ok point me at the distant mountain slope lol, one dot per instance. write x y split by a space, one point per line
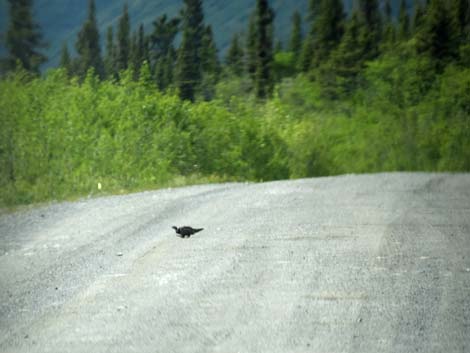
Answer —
60 20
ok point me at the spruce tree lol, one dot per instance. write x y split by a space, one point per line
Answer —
264 49
110 54
439 37
134 59
403 22
235 56
163 35
159 69
306 55
369 13
189 70
88 45
123 40
312 14
388 36
295 43
371 27
141 45
418 16
460 11
146 47
162 51
23 38
346 61
251 47
328 29
137 52
169 69
462 16
65 60
209 56
209 64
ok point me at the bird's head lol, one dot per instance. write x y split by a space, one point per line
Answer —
175 228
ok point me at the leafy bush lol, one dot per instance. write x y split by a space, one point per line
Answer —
60 138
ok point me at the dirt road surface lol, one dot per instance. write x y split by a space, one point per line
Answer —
355 263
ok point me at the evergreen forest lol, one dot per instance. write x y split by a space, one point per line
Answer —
136 108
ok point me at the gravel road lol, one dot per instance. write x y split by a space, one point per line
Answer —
355 263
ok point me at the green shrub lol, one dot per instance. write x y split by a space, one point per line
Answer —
60 138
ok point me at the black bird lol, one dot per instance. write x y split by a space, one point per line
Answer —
186 232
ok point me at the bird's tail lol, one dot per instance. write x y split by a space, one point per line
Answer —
198 230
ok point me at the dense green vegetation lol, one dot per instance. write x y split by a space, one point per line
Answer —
378 96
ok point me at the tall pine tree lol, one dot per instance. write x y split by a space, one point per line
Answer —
403 22
235 56
346 61
251 47
123 40
264 49
88 45
388 37
371 27
209 56
189 66
134 55
328 29
295 43
461 13
163 54
163 35
418 17
65 60
23 38
142 45
110 58
306 55
439 35
138 50
210 65
460 10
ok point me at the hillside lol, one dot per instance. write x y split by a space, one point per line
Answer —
60 20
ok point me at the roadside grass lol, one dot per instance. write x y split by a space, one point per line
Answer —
13 201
